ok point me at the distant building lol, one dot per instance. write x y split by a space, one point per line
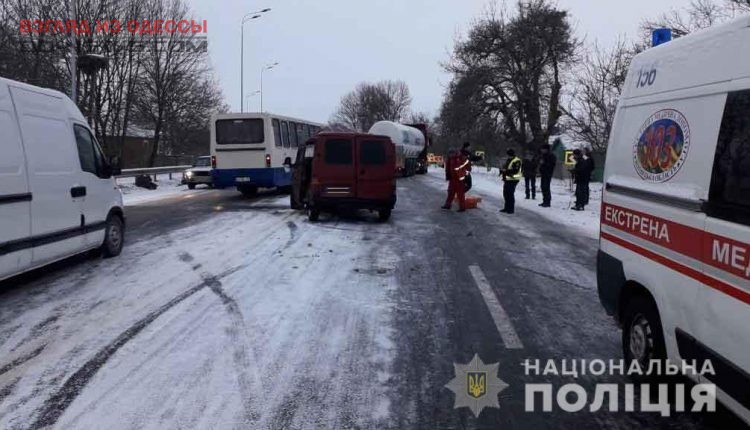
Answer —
134 149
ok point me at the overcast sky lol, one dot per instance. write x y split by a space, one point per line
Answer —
325 47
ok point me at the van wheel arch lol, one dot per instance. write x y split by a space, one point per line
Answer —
118 212
629 291
641 323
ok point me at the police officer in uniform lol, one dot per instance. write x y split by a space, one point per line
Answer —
547 162
582 176
512 174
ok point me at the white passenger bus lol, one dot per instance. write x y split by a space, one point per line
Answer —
249 150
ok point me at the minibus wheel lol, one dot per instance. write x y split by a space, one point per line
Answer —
114 237
384 215
293 202
313 214
642 335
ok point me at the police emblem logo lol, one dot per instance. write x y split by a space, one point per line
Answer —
662 146
476 385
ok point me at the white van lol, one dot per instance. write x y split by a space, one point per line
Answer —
57 193
674 259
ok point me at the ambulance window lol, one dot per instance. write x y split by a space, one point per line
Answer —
729 196
372 153
338 151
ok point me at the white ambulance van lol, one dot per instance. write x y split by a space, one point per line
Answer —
674 258
58 196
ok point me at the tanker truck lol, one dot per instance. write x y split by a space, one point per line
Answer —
410 142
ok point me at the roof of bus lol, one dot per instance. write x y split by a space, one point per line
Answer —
702 58
250 115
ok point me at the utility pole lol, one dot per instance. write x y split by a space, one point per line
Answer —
73 58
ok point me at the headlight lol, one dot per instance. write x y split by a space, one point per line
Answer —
189 174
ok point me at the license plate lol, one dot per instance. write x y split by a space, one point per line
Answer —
243 180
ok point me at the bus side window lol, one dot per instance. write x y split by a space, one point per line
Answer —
293 134
301 133
285 134
276 132
729 197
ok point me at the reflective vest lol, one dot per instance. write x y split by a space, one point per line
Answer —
462 168
515 162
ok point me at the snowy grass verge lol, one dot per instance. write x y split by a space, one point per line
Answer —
563 199
132 195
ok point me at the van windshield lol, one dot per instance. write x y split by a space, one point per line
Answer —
239 131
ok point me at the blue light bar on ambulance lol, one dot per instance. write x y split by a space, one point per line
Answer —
660 36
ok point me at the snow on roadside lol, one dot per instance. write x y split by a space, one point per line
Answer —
587 221
132 195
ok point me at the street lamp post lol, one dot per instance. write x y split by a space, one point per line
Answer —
250 96
266 67
246 18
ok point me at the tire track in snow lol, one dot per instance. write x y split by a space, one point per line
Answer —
55 406
241 346
21 360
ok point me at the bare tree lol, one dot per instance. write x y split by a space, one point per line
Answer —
155 84
699 14
512 69
597 88
370 103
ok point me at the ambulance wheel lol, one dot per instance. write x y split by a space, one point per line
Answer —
642 334
114 237
384 215
313 214
191 186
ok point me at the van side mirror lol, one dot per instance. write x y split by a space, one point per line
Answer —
115 165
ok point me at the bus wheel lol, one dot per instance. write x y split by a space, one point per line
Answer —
642 334
249 191
313 214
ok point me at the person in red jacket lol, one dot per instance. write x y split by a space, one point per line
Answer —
455 173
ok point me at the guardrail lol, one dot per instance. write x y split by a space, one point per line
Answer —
152 171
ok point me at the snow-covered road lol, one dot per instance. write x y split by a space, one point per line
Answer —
252 319
224 312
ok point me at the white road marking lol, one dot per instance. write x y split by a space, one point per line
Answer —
502 322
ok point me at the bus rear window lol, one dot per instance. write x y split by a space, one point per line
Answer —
239 131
